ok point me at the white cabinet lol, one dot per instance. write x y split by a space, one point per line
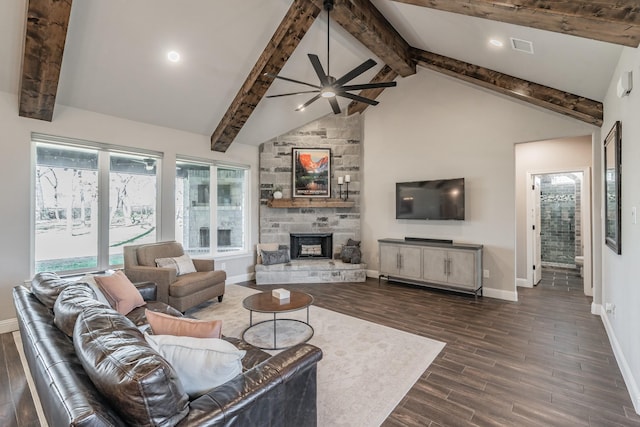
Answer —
401 261
450 267
428 263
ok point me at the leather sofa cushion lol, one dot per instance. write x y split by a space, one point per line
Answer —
147 254
191 283
72 301
47 286
141 385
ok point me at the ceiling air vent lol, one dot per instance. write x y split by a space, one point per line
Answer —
522 45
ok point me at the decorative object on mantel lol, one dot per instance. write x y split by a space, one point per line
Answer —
346 180
277 192
311 171
310 203
330 87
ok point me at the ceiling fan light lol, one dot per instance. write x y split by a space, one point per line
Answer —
328 93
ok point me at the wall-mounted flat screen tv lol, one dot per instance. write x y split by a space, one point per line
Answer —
435 200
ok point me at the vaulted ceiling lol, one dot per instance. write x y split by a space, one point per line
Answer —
110 59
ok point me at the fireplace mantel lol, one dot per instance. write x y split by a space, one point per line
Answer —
310 203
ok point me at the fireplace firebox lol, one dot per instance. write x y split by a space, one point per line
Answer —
311 245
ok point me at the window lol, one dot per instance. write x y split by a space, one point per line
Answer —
90 200
132 203
197 207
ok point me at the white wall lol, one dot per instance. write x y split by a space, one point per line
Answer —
621 273
564 154
16 178
432 126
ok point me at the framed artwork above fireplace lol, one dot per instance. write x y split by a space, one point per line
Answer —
311 172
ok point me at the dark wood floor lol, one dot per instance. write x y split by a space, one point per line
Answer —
542 361
16 402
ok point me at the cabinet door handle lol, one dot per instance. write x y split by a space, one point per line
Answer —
445 267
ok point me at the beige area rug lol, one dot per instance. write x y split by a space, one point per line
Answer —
366 368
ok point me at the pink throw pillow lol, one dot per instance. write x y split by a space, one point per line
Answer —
165 324
120 292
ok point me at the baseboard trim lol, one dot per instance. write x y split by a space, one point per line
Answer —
241 278
500 294
523 283
629 380
9 325
372 273
596 309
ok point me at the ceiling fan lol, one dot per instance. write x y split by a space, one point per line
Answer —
329 86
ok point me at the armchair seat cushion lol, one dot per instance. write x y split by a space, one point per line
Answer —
191 283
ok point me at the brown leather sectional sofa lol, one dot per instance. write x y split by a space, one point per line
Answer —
277 390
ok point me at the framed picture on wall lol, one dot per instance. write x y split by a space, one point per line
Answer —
311 172
612 187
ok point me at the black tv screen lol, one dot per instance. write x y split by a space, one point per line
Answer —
436 199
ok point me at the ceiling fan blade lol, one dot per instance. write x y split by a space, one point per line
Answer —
291 80
317 66
334 105
357 98
306 104
292 93
369 86
355 72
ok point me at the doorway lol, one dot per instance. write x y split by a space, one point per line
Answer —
559 224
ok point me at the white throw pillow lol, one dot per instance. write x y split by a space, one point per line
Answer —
182 264
201 363
91 281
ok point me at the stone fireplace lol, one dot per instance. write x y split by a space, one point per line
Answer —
311 245
314 231
342 135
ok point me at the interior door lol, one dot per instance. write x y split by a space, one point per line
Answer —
537 245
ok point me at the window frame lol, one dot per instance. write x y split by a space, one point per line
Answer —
214 165
104 151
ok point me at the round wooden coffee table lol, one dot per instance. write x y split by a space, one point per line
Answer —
264 302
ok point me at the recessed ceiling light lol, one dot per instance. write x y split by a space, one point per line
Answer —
496 42
173 56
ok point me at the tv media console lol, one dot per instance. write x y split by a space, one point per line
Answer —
432 263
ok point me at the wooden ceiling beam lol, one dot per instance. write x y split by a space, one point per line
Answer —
386 74
371 28
46 33
284 41
615 22
571 105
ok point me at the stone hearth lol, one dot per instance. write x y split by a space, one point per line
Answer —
310 271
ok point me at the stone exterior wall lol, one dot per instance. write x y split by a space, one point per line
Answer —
343 135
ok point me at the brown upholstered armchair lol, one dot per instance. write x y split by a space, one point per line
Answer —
181 292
